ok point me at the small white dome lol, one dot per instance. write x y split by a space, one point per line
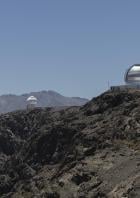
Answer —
32 98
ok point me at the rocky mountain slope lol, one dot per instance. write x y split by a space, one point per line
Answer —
80 152
11 102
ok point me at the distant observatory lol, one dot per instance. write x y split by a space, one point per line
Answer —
31 102
131 78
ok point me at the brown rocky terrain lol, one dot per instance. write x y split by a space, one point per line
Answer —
91 151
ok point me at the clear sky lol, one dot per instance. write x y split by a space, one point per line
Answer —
71 46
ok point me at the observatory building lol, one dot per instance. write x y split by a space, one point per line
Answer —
31 102
131 78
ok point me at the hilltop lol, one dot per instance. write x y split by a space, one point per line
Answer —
91 151
10 102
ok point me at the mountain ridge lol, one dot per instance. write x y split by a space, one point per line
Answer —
12 102
91 151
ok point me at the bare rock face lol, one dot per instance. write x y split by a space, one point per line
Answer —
91 151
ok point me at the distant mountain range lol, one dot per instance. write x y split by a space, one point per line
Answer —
12 102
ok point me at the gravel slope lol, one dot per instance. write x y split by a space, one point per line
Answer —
78 152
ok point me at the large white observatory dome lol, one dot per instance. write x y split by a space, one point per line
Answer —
31 102
133 75
32 98
131 78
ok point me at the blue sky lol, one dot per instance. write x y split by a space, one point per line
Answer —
71 46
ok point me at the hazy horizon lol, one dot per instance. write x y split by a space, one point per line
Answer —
72 47
38 91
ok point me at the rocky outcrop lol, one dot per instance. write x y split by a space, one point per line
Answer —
79 152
